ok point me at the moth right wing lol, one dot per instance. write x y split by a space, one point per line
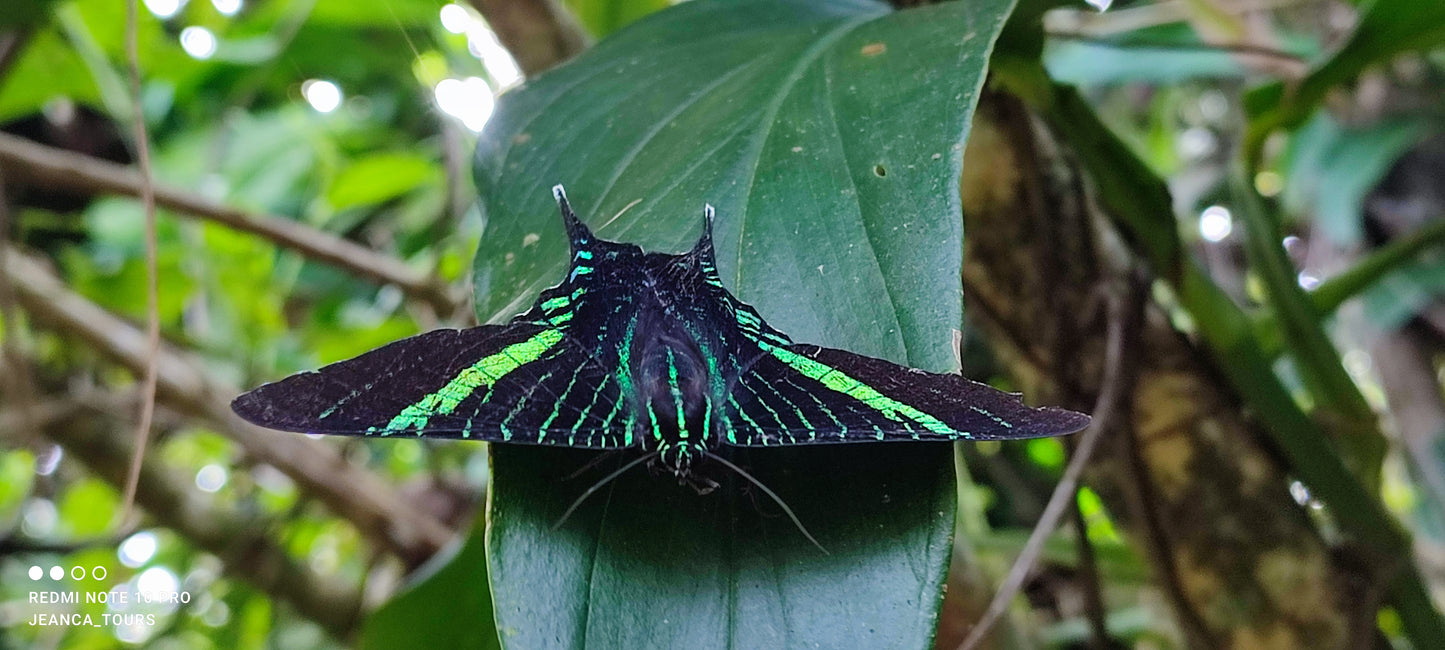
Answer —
519 383
804 394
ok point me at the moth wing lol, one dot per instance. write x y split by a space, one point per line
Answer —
805 394
522 383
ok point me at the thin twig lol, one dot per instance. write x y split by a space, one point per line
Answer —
1114 397
53 168
153 316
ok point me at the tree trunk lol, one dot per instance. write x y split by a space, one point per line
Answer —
1187 476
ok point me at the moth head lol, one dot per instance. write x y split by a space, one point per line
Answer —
577 232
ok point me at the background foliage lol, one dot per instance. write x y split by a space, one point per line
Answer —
1311 280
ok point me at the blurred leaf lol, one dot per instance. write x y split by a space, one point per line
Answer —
1332 168
453 600
1163 54
602 17
1397 297
24 14
87 507
271 159
380 177
330 348
47 69
1386 28
389 15
828 135
1047 453
17 476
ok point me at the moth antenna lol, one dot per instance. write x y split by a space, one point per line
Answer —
703 250
577 231
789 511
598 485
601 458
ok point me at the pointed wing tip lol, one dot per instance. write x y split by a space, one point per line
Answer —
249 406
1054 421
559 193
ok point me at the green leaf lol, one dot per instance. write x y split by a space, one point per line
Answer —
1163 54
829 137
1386 28
379 178
1407 291
88 507
383 14
454 599
1333 168
48 69
24 14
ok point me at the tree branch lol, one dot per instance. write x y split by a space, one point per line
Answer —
351 492
28 162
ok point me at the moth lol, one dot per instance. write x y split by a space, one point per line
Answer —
640 350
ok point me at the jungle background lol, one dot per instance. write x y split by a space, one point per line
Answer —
1214 224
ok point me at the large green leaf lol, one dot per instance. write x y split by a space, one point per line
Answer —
829 137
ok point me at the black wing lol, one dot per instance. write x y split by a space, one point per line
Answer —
804 394
519 383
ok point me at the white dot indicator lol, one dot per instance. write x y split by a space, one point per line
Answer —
36 573
56 573
227 7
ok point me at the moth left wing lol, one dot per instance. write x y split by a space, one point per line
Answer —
805 394
522 383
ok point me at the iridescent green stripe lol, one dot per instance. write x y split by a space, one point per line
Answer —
482 373
557 409
624 361
837 381
676 393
